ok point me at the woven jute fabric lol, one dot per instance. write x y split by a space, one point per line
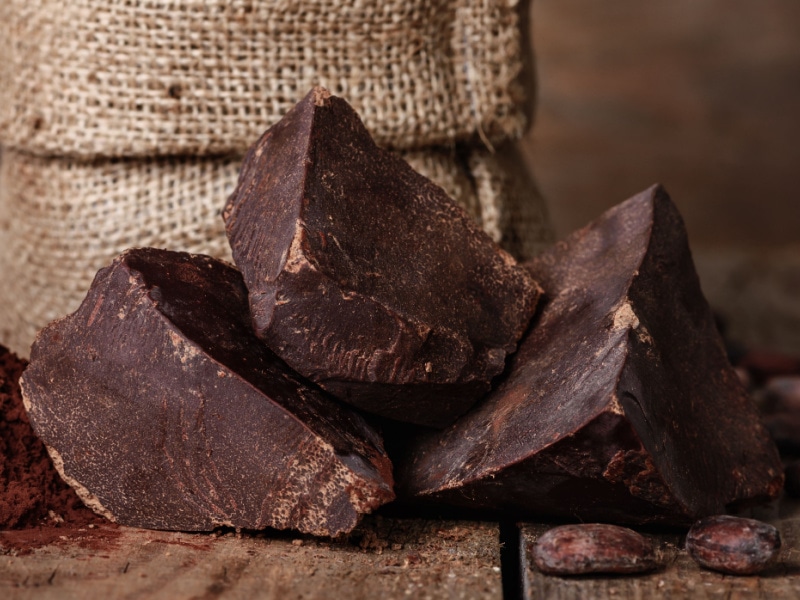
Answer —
513 211
143 78
61 220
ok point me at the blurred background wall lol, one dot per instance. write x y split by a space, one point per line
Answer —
702 96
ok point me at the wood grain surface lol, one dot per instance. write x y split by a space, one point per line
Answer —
702 96
383 558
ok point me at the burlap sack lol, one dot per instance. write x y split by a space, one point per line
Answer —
128 78
513 211
61 220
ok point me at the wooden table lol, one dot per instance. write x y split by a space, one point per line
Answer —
384 558
681 577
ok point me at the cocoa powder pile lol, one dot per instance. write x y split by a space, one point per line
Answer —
31 491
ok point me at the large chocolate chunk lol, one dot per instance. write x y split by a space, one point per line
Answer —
364 276
163 410
620 404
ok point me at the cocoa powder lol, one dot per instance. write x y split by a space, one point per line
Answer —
32 494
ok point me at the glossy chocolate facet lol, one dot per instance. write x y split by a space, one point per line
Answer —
364 276
620 404
163 410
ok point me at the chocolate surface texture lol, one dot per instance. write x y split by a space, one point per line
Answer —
364 276
163 410
620 404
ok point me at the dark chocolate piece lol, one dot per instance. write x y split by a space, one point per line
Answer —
733 545
620 404
364 276
163 410
593 548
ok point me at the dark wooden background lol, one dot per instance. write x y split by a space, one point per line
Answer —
702 96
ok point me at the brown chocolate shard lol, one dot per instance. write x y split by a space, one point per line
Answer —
164 411
364 276
620 404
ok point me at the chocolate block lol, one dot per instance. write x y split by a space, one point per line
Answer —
163 410
620 404
364 276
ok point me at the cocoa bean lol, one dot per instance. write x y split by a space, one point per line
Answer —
593 548
733 544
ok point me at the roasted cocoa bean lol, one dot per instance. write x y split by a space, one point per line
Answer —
733 544
593 548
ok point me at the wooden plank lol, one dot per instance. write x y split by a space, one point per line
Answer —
383 558
680 578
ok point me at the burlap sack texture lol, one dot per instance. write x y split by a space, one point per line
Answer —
122 120
128 78
61 220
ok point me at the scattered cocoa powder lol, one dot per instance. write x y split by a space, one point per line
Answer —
19 542
34 500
